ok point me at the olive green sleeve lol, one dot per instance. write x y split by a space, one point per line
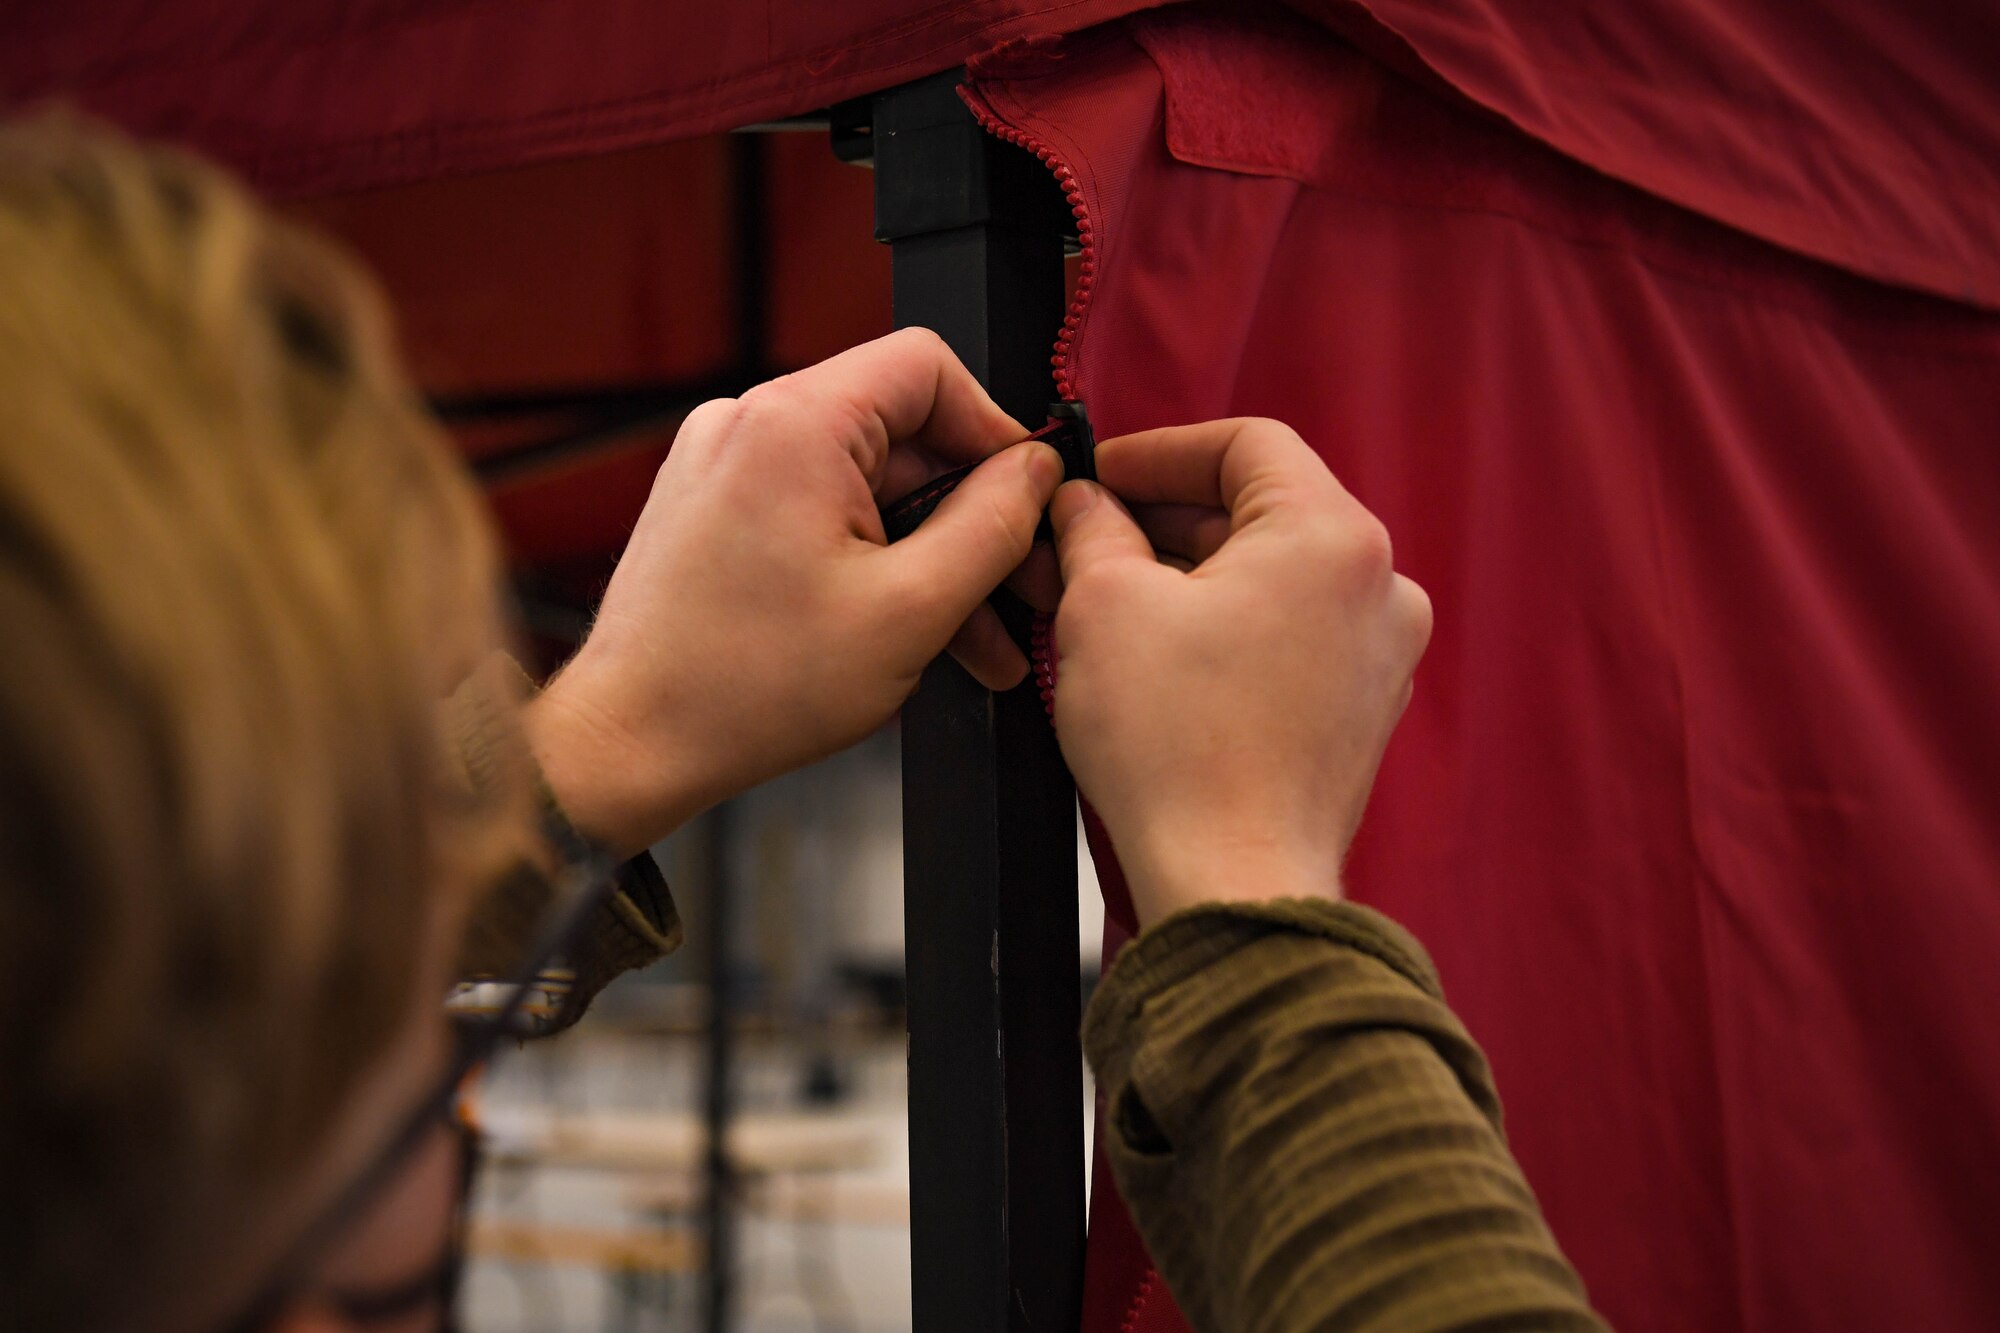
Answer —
1307 1137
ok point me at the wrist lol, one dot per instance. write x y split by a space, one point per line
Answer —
1174 870
605 787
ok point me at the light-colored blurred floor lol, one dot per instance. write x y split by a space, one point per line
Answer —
818 884
794 1275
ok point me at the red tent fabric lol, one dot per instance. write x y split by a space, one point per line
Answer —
620 268
1697 801
315 96
1864 135
1664 338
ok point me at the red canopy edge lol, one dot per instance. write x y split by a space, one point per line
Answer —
316 98
1857 134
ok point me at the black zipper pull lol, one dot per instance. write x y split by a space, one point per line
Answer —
1068 432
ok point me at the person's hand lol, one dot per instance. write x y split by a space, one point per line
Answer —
1225 714
757 621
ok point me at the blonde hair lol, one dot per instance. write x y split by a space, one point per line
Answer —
239 570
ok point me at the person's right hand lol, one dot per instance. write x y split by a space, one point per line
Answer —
758 619
1226 719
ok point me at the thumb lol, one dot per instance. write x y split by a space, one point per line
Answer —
1092 527
982 531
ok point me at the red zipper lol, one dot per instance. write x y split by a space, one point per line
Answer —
1130 1324
1044 658
1043 654
1086 276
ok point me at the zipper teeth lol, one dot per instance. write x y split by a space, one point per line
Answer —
1086 276
1043 654
1130 1324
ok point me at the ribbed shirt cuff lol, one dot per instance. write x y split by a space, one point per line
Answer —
1184 944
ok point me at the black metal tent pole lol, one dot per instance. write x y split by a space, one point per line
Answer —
977 228
719 1195
718 1287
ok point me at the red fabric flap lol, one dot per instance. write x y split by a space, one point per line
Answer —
1860 133
1316 114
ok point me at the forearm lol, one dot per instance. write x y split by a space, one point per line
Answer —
1306 1135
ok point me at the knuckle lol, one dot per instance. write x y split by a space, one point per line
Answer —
1281 441
1350 555
1374 553
764 399
922 340
701 435
1270 428
711 416
708 424
1417 614
1358 552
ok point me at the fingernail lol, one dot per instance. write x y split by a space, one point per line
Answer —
1073 499
1045 465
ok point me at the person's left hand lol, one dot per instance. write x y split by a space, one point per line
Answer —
757 620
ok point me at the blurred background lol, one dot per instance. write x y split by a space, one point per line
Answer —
590 1210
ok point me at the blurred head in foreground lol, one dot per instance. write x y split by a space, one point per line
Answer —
239 570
